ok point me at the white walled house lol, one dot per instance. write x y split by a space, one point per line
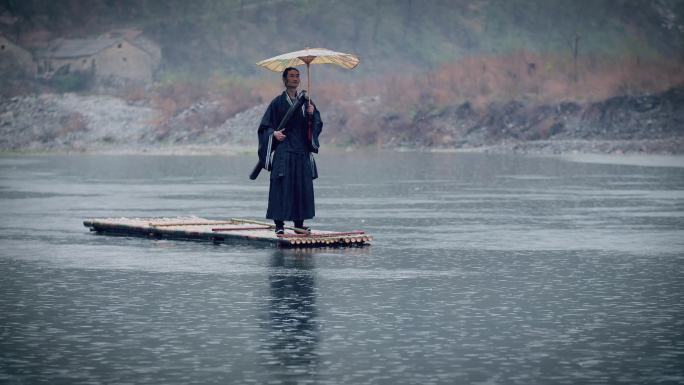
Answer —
15 59
104 57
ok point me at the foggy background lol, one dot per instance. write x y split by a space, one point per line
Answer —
431 73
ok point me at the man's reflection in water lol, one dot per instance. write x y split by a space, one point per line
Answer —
292 326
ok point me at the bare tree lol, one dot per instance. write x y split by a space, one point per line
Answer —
574 47
408 16
377 19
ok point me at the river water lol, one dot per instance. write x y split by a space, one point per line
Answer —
484 269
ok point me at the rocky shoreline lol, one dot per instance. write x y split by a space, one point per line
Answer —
71 123
638 124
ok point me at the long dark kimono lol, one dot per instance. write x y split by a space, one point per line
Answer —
292 166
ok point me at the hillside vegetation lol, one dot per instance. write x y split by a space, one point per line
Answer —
228 36
418 58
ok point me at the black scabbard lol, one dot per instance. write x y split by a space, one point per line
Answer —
256 171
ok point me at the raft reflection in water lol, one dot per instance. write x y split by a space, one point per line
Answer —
291 317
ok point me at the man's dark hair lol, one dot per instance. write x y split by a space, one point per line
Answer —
288 69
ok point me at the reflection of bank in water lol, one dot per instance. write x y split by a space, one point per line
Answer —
290 316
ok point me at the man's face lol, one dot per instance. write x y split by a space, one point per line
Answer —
292 79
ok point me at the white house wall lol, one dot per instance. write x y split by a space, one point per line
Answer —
124 60
13 55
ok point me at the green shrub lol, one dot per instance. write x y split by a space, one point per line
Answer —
71 82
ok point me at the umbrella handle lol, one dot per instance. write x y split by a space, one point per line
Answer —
309 117
308 85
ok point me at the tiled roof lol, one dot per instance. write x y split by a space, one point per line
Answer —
73 48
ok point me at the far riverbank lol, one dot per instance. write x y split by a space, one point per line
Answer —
75 123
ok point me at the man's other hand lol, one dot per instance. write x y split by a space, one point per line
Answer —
310 109
279 136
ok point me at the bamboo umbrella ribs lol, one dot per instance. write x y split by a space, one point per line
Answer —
309 56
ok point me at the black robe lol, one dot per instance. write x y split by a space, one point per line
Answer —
291 162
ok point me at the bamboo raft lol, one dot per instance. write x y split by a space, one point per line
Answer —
225 231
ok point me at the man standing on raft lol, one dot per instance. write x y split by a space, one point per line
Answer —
289 155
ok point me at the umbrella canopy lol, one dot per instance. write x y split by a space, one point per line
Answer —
309 56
